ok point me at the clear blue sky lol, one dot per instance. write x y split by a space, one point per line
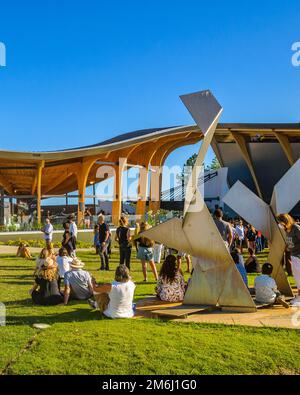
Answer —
79 72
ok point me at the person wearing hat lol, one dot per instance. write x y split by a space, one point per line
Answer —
266 288
78 282
45 290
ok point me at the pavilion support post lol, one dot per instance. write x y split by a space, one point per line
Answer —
142 192
1 206
82 177
286 147
39 190
155 189
118 185
241 142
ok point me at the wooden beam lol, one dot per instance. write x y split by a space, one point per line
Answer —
216 150
6 185
241 142
286 147
58 180
39 189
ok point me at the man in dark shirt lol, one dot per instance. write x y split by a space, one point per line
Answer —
104 235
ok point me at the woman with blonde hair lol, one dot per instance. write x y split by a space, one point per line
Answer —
41 260
45 290
23 251
124 239
145 251
292 232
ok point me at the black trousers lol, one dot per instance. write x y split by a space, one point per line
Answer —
125 254
104 258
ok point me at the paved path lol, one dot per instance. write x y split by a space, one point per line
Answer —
277 316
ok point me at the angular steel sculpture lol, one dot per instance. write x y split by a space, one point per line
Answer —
286 195
215 281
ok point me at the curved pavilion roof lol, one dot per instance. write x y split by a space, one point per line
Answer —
18 170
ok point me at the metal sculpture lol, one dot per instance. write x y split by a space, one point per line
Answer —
215 280
286 195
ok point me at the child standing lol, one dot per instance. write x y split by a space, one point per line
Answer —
63 261
96 239
266 288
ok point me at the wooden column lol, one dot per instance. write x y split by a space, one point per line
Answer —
241 142
142 192
39 190
286 147
82 177
118 185
155 190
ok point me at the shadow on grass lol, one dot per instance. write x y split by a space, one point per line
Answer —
16 268
77 315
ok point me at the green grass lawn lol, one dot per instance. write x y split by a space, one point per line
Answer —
79 341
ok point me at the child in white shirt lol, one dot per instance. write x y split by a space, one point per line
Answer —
266 288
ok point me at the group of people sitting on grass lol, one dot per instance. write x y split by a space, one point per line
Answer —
115 300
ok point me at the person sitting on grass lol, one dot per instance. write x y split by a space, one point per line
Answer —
240 267
40 261
115 300
170 285
23 251
63 261
252 264
237 250
78 282
45 290
266 288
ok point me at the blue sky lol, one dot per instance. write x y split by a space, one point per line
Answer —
79 72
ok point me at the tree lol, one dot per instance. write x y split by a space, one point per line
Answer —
187 167
214 165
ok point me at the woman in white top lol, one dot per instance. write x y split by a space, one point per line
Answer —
115 299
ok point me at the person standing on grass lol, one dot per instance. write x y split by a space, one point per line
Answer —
170 284
68 241
115 300
45 290
259 246
251 237
104 235
73 231
78 282
48 232
223 227
292 232
240 235
124 239
63 261
145 251
96 239
180 256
